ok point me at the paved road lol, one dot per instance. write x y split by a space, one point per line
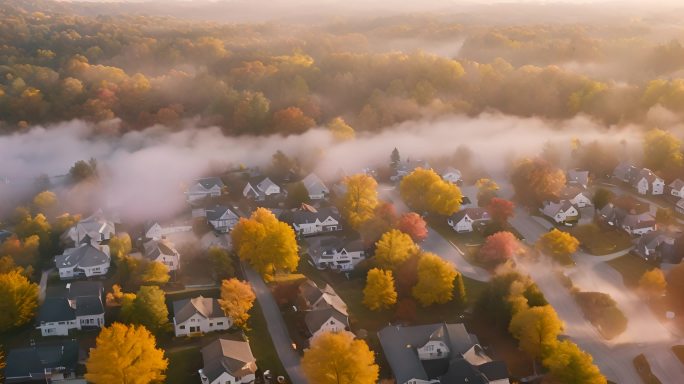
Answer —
276 327
437 244
644 334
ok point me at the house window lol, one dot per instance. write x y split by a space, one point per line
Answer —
61 323
219 323
211 324
182 327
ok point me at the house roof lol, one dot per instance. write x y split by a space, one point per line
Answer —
266 184
677 184
314 185
156 248
312 294
229 355
210 182
320 245
570 192
89 306
315 319
451 170
625 171
462 372
474 214
33 361
55 309
84 256
647 174
205 306
85 288
400 343
578 176
644 220
216 212
552 208
306 216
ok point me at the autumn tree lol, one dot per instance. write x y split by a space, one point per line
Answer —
384 219
393 248
559 245
147 308
665 216
135 272
297 194
237 298
8 265
499 248
266 243
675 285
291 121
23 252
45 201
336 358
83 170
500 210
37 225
568 364
652 283
424 190
125 354
535 180
413 225
120 246
486 191
379 292
435 280
19 300
662 150
2 362
602 197
537 330
340 130
221 261
360 199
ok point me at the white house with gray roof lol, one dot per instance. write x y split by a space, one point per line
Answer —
262 190
336 253
324 310
308 220
164 252
464 220
203 188
648 182
228 360
563 212
676 188
439 354
451 175
578 177
82 261
94 229
199 315
315 187
223 219
82 308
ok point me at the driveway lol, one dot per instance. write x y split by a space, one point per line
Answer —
276 326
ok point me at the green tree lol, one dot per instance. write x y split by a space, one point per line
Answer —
221 261
148 308
395 158
297 194
83 170
602 197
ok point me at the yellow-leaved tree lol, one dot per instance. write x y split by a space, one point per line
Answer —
537 330
424 190
120 246
19 300
568 364
379 292
266 243
652 283
340 130
147 307
360 200
435 280
237 298
125 354
559 245
393 248
336 358
45 201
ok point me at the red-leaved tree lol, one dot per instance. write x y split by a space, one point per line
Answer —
413 225
500 209
499 248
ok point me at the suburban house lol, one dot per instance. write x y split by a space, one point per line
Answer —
315 187
679 207
577 196
43 362
405 167
308 220
625 172
324 310
335 253
658 246
206 187
676 188
262 190
153 230
83 261
563 212
199 315
223 219
164 252
465 219
228 360
647 181
631 220
94 229
452 175
578 177
83 308
439 353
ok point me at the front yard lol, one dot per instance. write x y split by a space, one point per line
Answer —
599 241
631 267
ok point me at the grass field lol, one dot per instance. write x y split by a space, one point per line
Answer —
631 267
599 241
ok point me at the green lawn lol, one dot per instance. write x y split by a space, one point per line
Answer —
631 267
600 241
183 365
262 345
602 311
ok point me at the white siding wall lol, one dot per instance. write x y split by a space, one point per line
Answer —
203 324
